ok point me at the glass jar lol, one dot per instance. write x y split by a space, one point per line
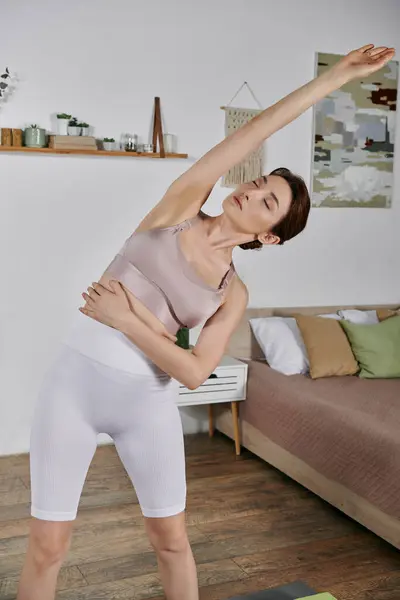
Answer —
129 142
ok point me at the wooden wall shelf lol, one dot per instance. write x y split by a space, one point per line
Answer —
89 152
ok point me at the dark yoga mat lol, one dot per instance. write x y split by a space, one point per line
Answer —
286 592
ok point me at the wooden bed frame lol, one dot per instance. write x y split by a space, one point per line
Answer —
244 346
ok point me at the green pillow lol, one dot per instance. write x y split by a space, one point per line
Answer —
376 347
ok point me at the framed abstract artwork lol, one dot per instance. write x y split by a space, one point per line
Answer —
353 141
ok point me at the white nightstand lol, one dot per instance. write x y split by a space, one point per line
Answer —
226 384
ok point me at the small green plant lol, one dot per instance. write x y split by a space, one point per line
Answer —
84 125
73 122
108 140
34 126
63 116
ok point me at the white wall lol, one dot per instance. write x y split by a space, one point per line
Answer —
63 218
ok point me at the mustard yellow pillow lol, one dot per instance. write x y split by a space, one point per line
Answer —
328 349
386 313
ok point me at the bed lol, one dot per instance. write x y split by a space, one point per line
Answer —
339 437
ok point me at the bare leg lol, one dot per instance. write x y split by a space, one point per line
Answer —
175 559
49 542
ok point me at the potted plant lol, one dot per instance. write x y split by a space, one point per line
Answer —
35 137
108 144
84 128
73 127
62 123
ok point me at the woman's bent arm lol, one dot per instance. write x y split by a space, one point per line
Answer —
191 368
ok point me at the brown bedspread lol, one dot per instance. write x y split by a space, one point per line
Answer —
346 428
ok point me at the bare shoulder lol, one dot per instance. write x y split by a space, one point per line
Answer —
218 329
237 294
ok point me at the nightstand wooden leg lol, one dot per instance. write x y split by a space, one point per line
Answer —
210 420
235 417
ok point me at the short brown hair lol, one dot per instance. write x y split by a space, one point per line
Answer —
295 220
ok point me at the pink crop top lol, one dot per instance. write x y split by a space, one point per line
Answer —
153 267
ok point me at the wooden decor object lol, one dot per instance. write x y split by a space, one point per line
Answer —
6 137
17 137
157 128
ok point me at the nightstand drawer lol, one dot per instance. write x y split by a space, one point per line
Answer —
224 385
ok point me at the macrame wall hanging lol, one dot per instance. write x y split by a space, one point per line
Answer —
253 165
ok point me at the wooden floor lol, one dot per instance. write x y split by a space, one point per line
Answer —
251 528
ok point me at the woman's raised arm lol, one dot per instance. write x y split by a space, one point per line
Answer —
189 192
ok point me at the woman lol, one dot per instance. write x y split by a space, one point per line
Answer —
117 371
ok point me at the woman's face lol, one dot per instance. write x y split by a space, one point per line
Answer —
257 207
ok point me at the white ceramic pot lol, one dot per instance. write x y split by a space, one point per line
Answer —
62 126
74 130
109 146
170 144
85 131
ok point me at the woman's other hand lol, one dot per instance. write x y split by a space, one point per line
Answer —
113 308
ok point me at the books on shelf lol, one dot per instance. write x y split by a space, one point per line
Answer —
72 142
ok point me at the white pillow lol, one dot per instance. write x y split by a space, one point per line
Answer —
281 341
360 317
